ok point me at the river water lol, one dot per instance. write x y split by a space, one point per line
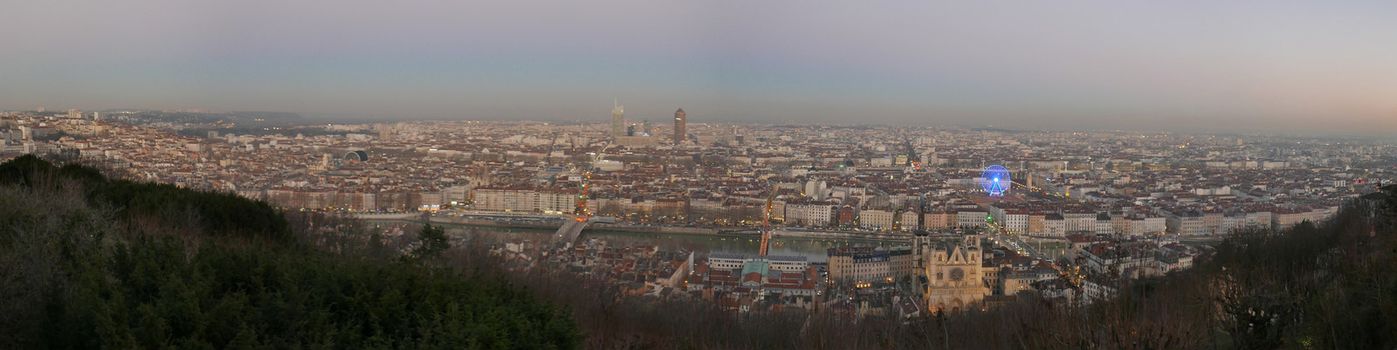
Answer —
814 249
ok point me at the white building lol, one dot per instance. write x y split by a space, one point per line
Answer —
966 219
503 199
813 214
1054 225
1147 226
1079 222
881 220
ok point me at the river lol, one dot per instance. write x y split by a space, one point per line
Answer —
814 249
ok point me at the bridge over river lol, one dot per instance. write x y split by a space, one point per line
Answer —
572 229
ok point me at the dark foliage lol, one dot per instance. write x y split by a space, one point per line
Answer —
79 267
75 273
1326 285
431 243
217 213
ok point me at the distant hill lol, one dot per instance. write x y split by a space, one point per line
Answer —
89 262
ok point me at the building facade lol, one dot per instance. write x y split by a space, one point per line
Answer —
955 275
618 120
852 265
680 126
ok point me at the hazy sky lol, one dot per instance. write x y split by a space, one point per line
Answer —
1325 66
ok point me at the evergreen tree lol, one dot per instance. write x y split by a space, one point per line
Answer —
78 273
432 241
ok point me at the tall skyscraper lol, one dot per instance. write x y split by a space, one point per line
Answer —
680 119
618 119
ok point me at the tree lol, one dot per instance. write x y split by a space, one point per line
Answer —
432 241
1391 192
79 274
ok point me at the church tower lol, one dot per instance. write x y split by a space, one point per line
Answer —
955 275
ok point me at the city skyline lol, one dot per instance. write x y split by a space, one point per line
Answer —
1288 67
769 175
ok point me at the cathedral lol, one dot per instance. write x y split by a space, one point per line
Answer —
955 274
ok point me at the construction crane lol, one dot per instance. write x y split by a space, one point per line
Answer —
766 220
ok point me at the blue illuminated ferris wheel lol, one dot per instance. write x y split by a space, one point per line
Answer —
996 181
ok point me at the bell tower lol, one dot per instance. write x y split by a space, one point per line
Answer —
955 274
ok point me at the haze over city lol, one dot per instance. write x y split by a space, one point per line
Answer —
1289 67
631 174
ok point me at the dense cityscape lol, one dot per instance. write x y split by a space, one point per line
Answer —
918 229
728 175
